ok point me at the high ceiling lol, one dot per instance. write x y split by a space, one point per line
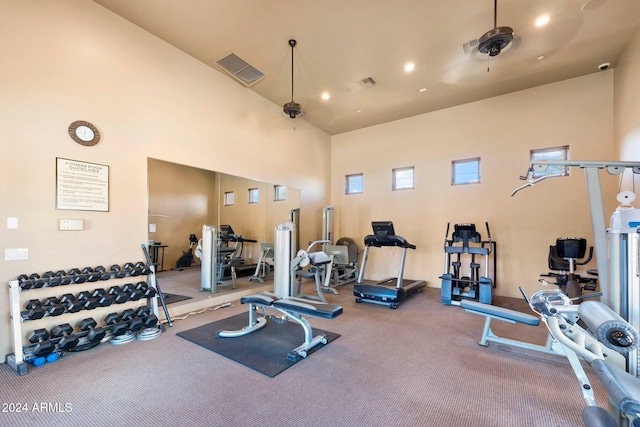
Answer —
342 42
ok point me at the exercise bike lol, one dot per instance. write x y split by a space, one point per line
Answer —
563 257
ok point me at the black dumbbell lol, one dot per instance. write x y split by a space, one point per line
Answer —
117 326
103 273
40 337
71 304
38 281
134 323
104 299
62 276
120 297
77 276
143 268
88 301
95 334
118 272
133 291
68 339
53 307
34 310
149 320
52 279
147 291
25 282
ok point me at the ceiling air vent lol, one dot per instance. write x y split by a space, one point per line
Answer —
237 67
368 82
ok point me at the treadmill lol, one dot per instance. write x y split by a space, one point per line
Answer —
391 291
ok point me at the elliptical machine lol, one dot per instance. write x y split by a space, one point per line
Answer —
476 286
186 259
563 257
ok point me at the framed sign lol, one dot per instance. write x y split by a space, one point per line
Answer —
81 186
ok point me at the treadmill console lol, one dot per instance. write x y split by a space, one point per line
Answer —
383 230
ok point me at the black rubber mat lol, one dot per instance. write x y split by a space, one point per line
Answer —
264 350
171 298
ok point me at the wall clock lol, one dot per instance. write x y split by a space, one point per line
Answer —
84 133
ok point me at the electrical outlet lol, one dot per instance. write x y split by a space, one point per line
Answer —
71 225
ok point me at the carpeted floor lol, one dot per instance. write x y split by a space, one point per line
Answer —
419 365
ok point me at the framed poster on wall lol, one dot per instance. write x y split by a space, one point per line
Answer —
81 186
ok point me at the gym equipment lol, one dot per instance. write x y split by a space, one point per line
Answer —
281 300
52 307
320 270
264 265
563 257
91 336
216 260
475 286
615 249
157 291
43 346
186 259
68 339
587 331
34 310
70 303
345 263
391 291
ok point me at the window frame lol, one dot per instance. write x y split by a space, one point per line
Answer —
394 183
229 198
551 170
279 193
454 177
347 181
250 193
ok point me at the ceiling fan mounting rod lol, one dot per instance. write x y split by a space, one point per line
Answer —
495 14
292 43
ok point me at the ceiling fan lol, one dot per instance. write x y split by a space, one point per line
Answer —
292 109
493 41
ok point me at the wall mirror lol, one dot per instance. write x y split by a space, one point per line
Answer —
183 198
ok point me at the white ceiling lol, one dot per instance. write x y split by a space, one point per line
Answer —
341 42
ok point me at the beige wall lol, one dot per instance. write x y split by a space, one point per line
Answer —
501 131
73 60
627 102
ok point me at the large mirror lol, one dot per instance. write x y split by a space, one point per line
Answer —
183 198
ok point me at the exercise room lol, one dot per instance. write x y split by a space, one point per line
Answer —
240 213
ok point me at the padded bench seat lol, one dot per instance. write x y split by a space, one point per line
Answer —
260 299
308 308
500 312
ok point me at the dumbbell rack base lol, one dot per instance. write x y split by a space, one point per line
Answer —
16 360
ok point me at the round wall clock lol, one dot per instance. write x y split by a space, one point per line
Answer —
84 133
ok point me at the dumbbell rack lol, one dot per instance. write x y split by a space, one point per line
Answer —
17 360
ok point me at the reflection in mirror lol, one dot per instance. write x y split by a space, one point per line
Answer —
183 198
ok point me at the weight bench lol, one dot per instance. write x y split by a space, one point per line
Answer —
505 315
292 308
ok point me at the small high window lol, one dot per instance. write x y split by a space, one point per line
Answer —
279 192
465 171
253 195
403 179
354 184
228 198
553 153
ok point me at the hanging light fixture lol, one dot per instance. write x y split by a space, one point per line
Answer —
292 109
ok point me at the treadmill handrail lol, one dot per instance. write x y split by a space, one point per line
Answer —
394 240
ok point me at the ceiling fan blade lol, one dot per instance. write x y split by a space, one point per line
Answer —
470 46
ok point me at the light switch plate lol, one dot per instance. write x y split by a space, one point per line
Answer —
71 225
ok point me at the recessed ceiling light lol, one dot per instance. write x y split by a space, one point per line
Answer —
325 95
540 58
543 20
424 89
409 67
